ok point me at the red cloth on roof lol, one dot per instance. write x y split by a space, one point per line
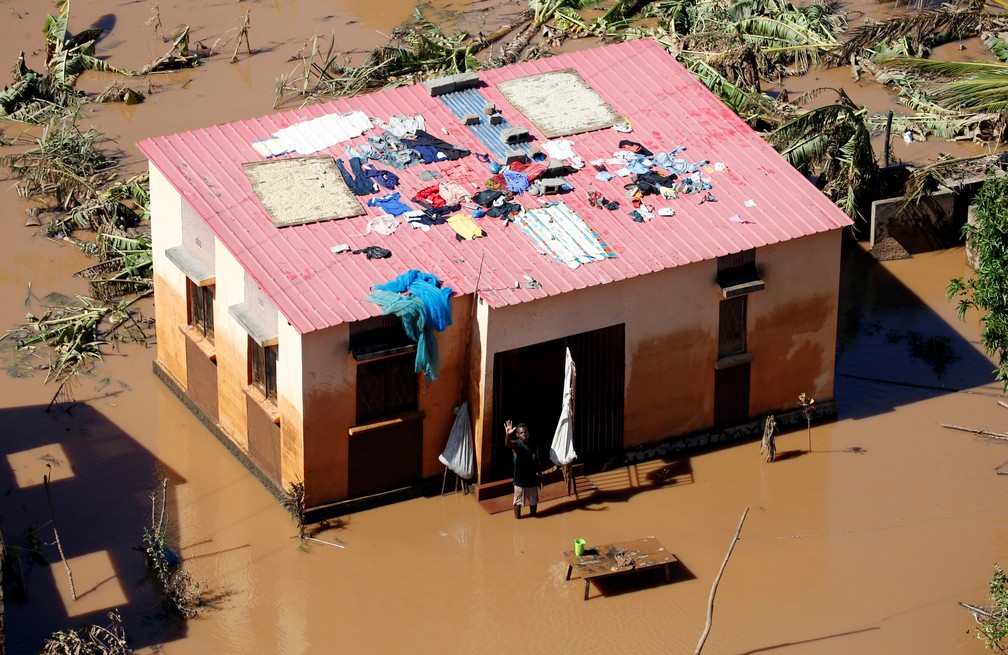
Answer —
430 195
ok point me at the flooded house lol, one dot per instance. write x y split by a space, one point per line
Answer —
334 281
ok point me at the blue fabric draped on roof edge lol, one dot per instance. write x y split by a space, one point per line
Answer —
427 307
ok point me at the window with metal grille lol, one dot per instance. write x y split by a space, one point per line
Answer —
201 309
385 387
732 327
263 363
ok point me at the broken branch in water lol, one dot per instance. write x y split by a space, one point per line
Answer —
178 56
994 435
59 546
327 543
710 602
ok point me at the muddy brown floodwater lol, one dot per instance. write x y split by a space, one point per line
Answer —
865 544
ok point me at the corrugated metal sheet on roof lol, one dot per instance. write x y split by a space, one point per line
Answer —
314 288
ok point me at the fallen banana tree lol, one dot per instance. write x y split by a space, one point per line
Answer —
63 166
70 333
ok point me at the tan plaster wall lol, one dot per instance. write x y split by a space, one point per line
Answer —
671 320
230 343
328 379
438 399
793 323
231 346
170 309
290 403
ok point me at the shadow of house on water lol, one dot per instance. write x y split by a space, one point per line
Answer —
894 349
101 480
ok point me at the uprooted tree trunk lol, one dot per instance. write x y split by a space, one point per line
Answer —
178 56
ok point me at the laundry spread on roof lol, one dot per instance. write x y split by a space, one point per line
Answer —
308 137
557 229
268 148
464 226
632 172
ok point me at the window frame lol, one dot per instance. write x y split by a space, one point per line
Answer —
201 308
262 368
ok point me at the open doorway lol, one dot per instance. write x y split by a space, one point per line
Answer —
528 388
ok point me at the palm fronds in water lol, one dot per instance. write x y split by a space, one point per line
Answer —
75 333
71 332
64 165
68 56
920 31
420 51
35 98
122 206
788 38
126 267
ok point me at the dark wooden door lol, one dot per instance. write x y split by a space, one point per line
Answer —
389 456
731 395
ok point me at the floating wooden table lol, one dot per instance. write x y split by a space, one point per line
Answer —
619 558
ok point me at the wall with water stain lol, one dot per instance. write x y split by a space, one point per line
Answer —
792 325
671 320
231 343
329 381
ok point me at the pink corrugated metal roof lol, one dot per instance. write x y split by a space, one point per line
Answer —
315 289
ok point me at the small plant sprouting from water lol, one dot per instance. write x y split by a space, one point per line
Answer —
294 502
808 409
90 640
175 587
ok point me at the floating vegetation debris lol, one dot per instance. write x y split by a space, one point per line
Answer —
177 56
75 331
63 166
35 98
90 640
834 141
122 206
414 53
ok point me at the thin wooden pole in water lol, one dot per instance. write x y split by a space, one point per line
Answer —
888 137
59 546
710 602
986 433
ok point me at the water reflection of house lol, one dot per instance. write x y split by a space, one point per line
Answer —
720 314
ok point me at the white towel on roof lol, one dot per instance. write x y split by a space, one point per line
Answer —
320 133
